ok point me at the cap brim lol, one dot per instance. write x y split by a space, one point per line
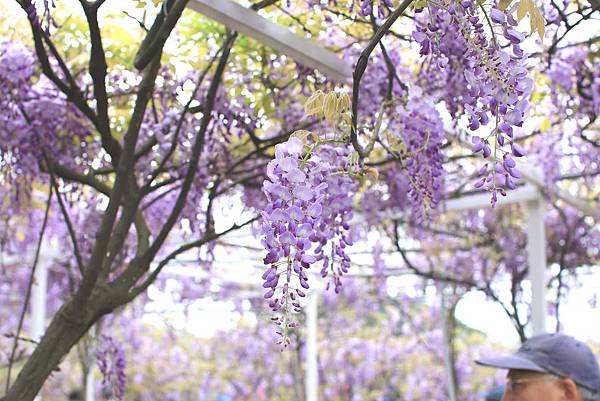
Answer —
511 362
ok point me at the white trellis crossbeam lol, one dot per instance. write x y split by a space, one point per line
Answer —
249 22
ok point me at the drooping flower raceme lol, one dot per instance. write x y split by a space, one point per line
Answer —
486 82
422 133
305 222
110 358
363 7
36 119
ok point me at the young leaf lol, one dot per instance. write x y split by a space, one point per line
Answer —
537 22
503 4
522 9
330 106
536 19
314 104
302 134
545 125
343 103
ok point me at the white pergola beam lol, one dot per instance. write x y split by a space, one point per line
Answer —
532 176
483 200
529 174
250 23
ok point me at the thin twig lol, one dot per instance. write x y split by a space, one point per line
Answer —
195 244
29 287
63 210
159 32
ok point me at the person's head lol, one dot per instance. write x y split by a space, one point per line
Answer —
550 367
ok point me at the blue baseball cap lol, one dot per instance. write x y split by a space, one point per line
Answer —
556 354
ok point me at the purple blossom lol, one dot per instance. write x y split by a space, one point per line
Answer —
484 82
497 16
110 359
514 36
309 204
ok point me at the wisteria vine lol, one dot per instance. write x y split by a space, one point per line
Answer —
488 80
309 187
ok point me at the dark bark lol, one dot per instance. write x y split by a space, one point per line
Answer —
69 324
359 70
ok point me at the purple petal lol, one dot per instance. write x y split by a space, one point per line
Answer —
514 36
295 175
517 150
497 16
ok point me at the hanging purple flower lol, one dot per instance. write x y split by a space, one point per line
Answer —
305 221
110 358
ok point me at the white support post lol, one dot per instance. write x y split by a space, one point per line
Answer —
536 255
90 394
446 345
90 364
312 372
38 300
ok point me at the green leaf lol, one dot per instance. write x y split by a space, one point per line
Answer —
302 134
538 24
536 19
503 4
314 104
330 106
522 9
353 158
418 4
343 103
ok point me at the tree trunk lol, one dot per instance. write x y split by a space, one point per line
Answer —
62 334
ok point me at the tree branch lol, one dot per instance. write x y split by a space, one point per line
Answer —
71 175
186 108
197 148
432 275
29 287
124 180
65 214
159 32
97 68
208 237
141 263
361 66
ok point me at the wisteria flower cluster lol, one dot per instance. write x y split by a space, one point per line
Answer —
306 222
36 118
418 142
575 79
110 358
365 7
495 80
